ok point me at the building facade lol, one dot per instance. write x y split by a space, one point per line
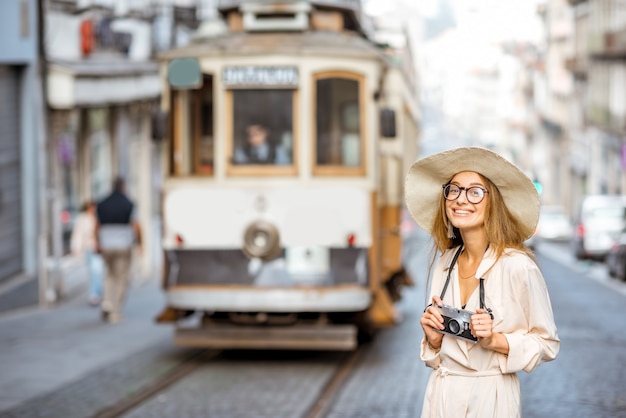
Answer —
102 90
80 88
22 226
584 113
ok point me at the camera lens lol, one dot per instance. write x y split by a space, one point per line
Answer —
454 326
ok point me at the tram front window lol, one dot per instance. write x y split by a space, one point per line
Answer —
262 127
338 122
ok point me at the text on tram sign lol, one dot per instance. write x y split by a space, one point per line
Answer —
248 76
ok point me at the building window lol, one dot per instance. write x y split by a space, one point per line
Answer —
262 131
339 140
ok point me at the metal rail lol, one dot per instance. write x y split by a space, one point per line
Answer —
335 384
179 372
318 409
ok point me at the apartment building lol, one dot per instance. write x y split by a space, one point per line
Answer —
585 103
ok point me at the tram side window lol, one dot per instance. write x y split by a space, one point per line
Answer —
203 128
338 122
262 127
192 132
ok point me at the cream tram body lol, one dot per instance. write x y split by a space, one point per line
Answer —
301 254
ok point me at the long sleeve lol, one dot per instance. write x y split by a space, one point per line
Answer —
429 355
533 339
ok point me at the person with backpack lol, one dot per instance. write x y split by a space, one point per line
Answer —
117 233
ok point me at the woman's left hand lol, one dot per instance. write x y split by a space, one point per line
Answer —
481 326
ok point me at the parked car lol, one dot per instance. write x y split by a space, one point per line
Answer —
616 258
600 220
554 224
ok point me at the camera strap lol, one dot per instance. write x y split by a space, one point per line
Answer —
445 286
482 286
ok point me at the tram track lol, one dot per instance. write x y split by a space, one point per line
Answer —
318 409
184 369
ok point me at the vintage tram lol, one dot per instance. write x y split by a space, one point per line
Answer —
290 131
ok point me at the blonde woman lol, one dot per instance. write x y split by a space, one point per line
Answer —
489 314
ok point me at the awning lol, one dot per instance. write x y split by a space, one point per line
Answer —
101 82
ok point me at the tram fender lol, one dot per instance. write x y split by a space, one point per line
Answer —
382 312
169 314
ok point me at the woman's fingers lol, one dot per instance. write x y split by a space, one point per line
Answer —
433 317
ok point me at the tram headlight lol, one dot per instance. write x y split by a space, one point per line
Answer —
261 240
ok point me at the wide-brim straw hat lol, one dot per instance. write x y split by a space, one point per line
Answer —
423 184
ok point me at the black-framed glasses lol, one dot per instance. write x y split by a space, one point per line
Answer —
474 194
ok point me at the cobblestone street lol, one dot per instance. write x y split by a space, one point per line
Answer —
65 363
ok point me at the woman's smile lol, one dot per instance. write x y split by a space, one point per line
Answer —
461 212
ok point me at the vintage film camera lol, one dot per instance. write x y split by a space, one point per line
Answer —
456 322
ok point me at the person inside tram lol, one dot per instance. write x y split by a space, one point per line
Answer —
489 314
258 149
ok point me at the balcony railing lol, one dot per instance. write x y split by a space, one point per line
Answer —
616 42
608 44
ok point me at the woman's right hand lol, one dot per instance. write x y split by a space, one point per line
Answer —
431 319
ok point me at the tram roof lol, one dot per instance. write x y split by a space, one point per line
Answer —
345 44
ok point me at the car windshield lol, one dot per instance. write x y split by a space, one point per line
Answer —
615 212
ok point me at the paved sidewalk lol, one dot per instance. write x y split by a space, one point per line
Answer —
43 350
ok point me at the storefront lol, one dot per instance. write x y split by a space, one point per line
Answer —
100 124
11 255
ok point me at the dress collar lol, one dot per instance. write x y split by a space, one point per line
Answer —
488 261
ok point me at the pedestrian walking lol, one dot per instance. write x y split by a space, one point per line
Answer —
83 244
118 231
490 314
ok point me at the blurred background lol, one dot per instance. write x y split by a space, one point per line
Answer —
541 82
159 91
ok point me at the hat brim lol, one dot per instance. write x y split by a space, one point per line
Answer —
427 175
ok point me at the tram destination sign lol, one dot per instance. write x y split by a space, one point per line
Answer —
252 76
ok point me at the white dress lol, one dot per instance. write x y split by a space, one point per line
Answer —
470 381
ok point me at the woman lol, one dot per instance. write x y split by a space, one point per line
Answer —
479 209
83 244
